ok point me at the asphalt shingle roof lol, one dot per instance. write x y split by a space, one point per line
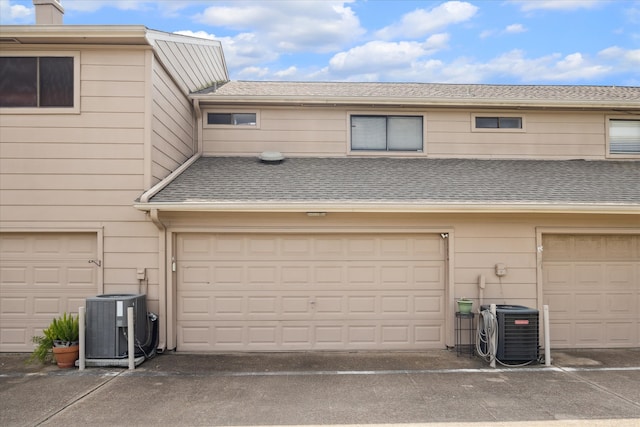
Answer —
413 91
214 180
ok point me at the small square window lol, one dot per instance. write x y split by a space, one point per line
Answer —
498 122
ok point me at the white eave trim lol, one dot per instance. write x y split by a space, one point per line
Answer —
393 208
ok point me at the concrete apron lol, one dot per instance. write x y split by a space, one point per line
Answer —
582 388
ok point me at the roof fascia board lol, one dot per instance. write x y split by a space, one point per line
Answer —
395 208
87 34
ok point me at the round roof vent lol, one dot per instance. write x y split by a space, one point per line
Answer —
271 157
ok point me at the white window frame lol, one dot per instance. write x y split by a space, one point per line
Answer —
608 152
498 114
75 109
387 153
206 124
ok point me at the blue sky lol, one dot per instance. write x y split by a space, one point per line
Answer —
490 41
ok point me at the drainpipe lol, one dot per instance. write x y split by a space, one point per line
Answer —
162 277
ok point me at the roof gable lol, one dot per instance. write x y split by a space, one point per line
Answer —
194 63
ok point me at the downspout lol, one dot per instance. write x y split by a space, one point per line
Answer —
162 277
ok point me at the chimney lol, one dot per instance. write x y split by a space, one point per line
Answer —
48 12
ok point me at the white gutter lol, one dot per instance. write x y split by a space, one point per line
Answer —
159 186
391 208
415 102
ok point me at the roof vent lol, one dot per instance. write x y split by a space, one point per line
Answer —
271 157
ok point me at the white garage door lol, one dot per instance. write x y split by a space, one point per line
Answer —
42 275
592 287
302 292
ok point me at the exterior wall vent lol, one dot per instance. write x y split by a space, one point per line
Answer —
271 157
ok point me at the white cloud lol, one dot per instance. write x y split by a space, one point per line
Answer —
515 28
421 22
528 5
291 26
385 57
15 14
289 73
623 58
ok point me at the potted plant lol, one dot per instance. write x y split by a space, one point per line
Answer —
59 340
464 305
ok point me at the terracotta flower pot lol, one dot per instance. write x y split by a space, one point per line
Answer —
66 356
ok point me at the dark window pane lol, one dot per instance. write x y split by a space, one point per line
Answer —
56 82
511 122
244 119
487 122
18 77
219 119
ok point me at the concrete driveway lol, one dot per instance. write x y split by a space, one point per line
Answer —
593 388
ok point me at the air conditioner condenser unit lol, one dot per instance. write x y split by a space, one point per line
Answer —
106 318
517 330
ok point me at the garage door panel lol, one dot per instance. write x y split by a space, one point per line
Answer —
326 275
592 287
623 304
560 305
621 334
319 305
318 335
42 275
589 334
268 292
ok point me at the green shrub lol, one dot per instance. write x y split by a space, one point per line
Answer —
62 332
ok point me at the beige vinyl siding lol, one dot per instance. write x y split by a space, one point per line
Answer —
303 132
174 135
546 135
309 131
84 171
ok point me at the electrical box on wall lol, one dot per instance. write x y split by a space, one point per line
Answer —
501 270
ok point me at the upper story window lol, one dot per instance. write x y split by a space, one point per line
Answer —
498 122
386 133
232 119
624 136
37 81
